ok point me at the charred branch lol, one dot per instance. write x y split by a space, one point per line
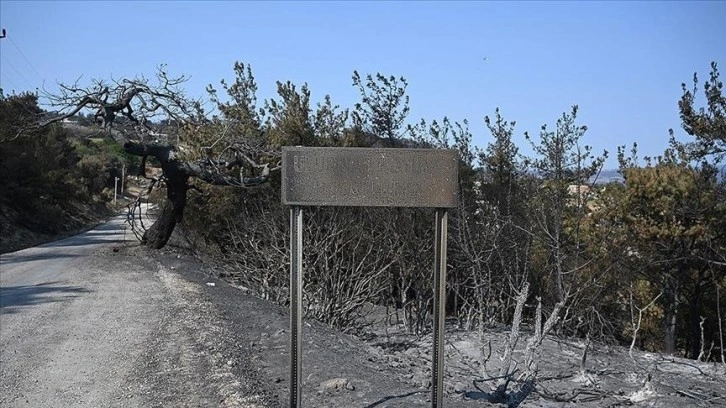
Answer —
207 170
177 174
137 100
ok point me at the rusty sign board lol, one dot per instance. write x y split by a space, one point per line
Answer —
350 176
371 177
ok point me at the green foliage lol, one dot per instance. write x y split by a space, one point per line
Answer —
241 110
289 122
564 166
19 111
48 175
329 123
706 124
670 215
560 155
384 104
500 159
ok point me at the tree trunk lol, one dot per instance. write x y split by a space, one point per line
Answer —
176 192
177 174
670 332
670 309
695 317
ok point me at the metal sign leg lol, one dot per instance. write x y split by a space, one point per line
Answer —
295 305
437 370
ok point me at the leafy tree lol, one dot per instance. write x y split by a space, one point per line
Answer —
500 161
669 212
563 161
289 121
706 124
20 112
241 110
383 108
503 196
329 123
39 178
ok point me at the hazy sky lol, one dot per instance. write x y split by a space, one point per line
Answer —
622 63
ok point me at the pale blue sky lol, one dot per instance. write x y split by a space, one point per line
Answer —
622 63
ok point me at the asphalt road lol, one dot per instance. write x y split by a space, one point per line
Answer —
88 322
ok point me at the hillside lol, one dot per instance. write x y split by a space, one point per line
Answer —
55 180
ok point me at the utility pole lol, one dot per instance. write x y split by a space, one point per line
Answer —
115 190
123 178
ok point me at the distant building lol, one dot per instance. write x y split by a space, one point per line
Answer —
582 190
586 195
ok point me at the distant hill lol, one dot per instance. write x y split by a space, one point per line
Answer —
608 176
614 176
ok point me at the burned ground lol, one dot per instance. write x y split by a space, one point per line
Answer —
387 368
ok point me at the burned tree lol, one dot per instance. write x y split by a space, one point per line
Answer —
130 111
176 175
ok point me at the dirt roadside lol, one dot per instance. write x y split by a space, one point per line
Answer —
340 370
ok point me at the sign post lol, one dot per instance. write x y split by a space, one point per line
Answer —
295 304
437 360
320 176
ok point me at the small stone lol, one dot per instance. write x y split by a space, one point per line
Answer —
336 384
421 380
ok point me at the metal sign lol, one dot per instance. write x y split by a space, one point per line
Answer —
361 177
368 177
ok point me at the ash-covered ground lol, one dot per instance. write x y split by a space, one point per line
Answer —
388 368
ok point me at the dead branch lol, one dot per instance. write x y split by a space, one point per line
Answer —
718 316
672 360
590 395
514 333
486 356
535 341
137 100
135 211
636 324
583 360
704 398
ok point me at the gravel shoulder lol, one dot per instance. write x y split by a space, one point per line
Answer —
93 322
